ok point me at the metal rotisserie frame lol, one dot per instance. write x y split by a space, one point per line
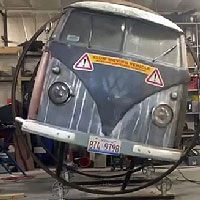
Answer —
108 102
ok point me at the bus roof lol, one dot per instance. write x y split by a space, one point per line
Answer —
127 9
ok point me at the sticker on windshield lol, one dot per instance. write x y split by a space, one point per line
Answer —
73 38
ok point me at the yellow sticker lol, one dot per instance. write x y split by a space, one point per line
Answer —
119 62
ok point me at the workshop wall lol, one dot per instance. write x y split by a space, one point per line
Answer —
5 93
1 29
6 64
21 27
23 24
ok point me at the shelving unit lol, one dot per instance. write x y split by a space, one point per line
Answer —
8 60
192 90
30 62
10 50
193 113
192 30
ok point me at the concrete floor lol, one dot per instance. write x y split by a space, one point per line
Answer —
40 187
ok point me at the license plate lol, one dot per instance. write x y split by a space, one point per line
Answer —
104 145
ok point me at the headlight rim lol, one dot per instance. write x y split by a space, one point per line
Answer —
68 89
155 122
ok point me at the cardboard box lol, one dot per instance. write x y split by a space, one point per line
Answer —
191 62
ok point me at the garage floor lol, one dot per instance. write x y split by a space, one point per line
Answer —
40 186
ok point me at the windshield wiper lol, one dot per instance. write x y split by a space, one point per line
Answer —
165 52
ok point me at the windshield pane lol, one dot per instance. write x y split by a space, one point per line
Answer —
104 31
107 32
77 28
151 41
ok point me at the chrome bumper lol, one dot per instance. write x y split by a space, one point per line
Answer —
81 139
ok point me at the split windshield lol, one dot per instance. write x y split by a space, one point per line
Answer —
120 34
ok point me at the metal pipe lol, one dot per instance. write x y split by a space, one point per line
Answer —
5 25
37 90
5 22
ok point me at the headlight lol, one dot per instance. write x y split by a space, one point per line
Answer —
59 92
162 115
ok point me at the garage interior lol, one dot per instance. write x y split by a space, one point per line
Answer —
22 59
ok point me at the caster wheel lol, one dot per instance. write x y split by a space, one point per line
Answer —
148 171
164 185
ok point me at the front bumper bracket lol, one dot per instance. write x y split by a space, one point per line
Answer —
80 138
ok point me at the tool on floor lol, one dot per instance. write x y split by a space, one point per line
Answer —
12 196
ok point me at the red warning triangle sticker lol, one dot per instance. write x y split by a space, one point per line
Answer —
84 63
155 79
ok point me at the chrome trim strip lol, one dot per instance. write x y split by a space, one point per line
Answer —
165 154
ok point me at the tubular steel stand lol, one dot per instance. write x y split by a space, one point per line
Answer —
128 175
60 191
159 197
79 139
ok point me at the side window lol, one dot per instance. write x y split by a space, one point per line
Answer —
107 32
77 28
